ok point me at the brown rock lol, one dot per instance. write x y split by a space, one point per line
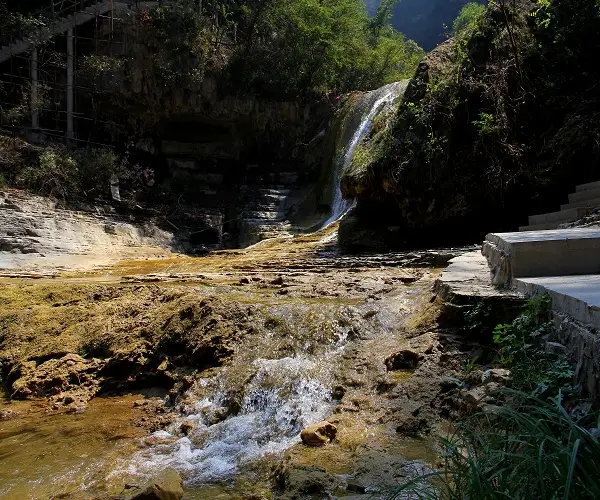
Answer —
186 428
406 359
318 434
168 485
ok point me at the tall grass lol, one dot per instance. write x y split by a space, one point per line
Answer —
524 450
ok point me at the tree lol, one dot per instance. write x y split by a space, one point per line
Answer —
468 17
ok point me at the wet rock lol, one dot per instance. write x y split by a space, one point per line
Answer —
57 377
186 428
213 416
338 392
414 427
319 434
407 359
303 482
499 375
356 488
277 281
168 485
555 348
7 414
244 281
472 400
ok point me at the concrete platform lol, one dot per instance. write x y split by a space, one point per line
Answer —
588 186
574 296
561 252
467 283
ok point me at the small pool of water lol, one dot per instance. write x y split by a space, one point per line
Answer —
44 454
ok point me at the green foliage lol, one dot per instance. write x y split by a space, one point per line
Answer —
486 124
56 175
468 18
469 365
522 349
477 318
64 174
182 43
527 449
317 47
95 167
542 14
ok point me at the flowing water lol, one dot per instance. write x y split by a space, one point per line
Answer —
366 109
319 322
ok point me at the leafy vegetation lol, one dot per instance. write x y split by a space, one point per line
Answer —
497 123
527 444
468 17
522 345
529 449
65 174
274 47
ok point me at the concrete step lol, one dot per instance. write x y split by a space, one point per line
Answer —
561 216
588 194
540 227
582 204
576 296
588 186
560 252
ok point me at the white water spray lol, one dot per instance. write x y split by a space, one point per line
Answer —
371 104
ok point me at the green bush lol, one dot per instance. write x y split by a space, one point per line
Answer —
522 349
529 449
64 174
95 167
56 174
468 17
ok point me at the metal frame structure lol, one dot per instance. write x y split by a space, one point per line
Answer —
48 66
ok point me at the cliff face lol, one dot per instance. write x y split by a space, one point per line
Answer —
495 125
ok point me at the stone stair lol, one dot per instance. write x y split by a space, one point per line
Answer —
585 198
560 252
264 213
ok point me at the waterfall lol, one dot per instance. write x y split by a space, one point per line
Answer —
361 117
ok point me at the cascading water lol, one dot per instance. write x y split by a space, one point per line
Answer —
370 105
277 397
281 399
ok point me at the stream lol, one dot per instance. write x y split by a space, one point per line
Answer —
303 334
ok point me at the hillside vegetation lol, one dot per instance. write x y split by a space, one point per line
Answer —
498 122
273 48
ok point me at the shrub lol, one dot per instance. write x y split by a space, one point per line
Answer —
522 349
64 174
468 17
528 449
55 175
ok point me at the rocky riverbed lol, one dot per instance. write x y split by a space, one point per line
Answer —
215 365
